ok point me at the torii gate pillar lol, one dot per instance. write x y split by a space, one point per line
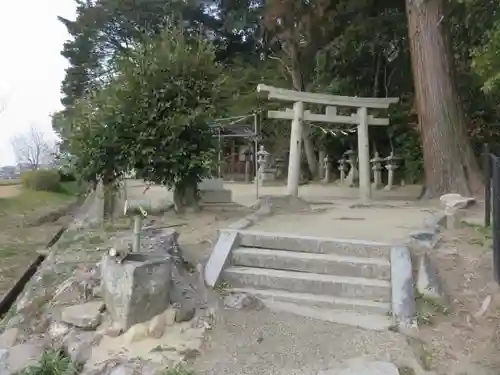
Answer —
364 155
292 186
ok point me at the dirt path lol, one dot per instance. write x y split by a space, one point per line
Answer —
8 191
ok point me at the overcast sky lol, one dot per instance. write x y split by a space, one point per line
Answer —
31 67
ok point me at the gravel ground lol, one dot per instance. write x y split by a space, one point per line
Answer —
266 343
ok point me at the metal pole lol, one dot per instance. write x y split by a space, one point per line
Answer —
136 245
496 218
487 184
256 147
219 157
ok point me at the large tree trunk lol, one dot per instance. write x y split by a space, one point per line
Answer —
450 165
299 85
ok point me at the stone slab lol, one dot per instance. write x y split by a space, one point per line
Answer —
331 264
289 242
302 282
228 240
403 294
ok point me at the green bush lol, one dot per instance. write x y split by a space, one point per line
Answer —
67 176
42 179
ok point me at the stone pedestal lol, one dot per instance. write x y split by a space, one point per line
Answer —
137 289
327 166
248 161
377 171
352 178
266 175
342 169
212 191
391 166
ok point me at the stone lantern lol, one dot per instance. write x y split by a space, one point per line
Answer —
377 168
342 169
353 176
391 166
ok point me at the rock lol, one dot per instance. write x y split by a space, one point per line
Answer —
157 326
22 356
137 289
76 289
243 301
78 345
58 330
169 315
426 239
428 283
362 367
184 311
4 355
86 315
136 333
121 366
456 201
8 338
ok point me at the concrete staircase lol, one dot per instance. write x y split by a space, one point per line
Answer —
336 280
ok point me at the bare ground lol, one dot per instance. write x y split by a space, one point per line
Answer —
466 341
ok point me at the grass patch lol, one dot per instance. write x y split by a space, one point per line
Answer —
30 200
428 309
9 182
481 235
52 363
222 288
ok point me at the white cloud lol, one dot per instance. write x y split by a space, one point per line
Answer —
31 67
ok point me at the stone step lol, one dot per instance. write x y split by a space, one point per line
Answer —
373 322
308 244
332 264
319 301
314 283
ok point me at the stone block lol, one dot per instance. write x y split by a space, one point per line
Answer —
137 289
211 184
216 196
456 201
86 315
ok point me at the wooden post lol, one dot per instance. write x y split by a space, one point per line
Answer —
292 187
364 155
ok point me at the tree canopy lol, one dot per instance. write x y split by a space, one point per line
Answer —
152 73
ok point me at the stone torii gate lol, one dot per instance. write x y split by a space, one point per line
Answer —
298 115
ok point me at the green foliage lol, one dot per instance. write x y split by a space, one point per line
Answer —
168 96
153 115
51 363
42 180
